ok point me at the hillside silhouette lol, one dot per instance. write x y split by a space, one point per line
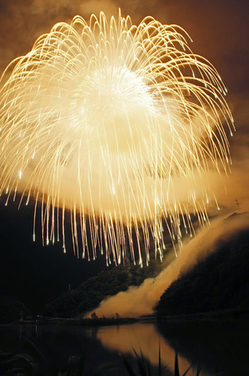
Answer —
219 282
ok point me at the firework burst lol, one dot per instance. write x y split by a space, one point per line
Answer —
115 123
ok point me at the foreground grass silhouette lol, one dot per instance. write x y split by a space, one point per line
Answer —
145 368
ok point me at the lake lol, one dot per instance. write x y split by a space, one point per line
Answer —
219 348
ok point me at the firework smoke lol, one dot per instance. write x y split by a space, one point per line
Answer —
116 123
138 301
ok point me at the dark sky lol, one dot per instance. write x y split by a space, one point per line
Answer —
220 31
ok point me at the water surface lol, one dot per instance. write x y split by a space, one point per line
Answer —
219 348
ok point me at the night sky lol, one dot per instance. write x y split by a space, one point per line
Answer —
220 31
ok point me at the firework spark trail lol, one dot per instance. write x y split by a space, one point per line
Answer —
109 121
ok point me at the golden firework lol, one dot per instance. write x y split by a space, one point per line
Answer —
115 123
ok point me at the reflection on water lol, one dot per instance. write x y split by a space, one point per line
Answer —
144 337
221 349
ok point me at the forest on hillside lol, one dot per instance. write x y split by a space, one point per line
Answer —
220 282
90 293
85 297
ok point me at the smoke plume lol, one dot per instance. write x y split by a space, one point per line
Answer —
141 300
